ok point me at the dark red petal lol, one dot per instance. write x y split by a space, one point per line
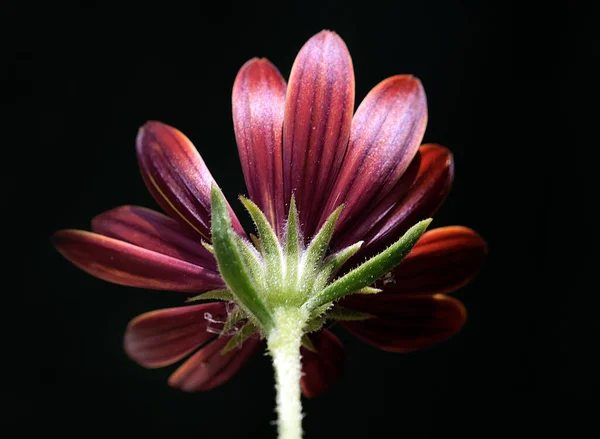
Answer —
126 264
417 195
258 106
318 116
160 338
177 176
153 231
386 132
405 323
442 261
321 369
207 368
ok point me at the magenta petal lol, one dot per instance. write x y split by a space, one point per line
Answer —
153 231
386 132
177 177
207 368
258 104
318 116
160 338
416 196
405 323
321 369
126 264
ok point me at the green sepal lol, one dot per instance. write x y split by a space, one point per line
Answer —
345 314
224 295
320 310
315 323
251 258
231 264
334 262
247 331
269 242
319 244
292 242
308 344
371 270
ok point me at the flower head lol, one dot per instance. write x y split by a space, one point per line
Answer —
328 189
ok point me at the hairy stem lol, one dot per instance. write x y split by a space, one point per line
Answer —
284 347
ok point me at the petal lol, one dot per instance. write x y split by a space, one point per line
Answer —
416 196
386 132
258 105
442 261
160 338
153 231
405 323
321 369
207 368
126 264
318 116
177 177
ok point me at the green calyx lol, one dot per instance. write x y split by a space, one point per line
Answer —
269 274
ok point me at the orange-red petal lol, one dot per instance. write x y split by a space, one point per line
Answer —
127 264
321 369
160 338
443 260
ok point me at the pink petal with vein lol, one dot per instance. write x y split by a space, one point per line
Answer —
126 264
386 132
318 116
154 231
417 195
160 338
177 177
258 105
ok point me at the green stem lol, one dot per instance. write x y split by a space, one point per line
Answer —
284 346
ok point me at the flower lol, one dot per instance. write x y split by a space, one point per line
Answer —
302 142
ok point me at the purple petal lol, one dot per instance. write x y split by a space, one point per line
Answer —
258 106
386 132
160 338
177 177
154 231
318 116
208 368
126 264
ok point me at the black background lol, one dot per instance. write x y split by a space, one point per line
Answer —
510 93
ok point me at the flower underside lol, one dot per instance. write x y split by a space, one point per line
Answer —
267 275
363 173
